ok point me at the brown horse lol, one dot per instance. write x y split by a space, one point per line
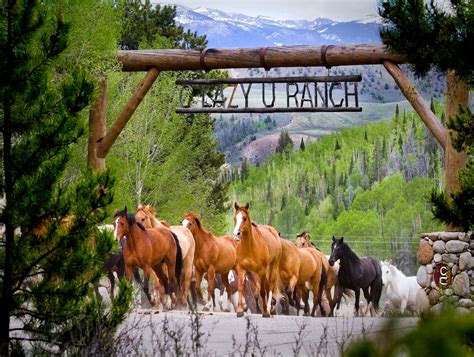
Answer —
213 255
303 240
289 272
146 215
149 249
260 252
312 275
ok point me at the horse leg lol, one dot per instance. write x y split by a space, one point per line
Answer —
225 281
197 283
146 280
316 294
264 294
211 298
158 268
186 279
305 297
240 288
356 305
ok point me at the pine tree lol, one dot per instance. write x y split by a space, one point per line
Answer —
285 143
302 145
59 252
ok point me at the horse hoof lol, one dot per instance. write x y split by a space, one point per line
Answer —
227 310
306 314
273 311
240 313
205 308
266 314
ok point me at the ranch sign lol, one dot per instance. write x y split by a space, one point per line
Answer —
277 95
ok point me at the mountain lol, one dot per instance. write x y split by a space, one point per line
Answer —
237 30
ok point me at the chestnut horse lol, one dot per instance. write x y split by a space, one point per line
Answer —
289 272
260 252
213 255
148 249
303 240
146 215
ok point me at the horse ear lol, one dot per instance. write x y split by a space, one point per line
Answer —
333 238
342 239
236 206
125 210
140 206
247 206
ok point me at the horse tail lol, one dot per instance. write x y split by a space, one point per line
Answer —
179 259
377 287
322 284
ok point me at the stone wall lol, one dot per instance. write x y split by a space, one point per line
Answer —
446 269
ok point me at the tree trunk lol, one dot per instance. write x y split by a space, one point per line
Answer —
97 124
456 95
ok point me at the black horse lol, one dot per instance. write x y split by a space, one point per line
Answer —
357 273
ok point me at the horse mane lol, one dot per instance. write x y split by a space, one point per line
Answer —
130 219
146 208
195 217
348 254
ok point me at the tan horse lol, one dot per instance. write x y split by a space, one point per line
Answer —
312 276
149 249
260 252
146 216
289 272
303 240
213 255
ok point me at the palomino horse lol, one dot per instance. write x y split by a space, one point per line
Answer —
303 240
148 249
259 251
213 255
357 273
146 216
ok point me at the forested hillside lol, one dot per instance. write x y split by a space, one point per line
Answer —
369 184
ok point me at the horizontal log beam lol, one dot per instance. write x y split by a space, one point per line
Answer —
305 79
286 56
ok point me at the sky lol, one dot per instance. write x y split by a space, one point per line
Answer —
340 10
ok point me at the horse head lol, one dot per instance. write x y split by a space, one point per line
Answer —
303 240
337 249
144 215
121 226
385 266
242 223
191 221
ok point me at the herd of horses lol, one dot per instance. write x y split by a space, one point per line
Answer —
255 262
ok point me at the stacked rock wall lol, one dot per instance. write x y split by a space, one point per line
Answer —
447 269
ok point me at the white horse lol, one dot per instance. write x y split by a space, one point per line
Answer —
403 293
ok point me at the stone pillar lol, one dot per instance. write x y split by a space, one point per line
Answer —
446 269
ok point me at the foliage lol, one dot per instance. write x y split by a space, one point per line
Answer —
53 252
446 334
444 34
285 143
143 22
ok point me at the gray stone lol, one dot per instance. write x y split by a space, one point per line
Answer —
456 246
433 285
453 299
437 258
454 270
465 261
433 235
451 264
472 289
448 292
449 258
447 236
462 310
438 308
434 296
472 262
439 246
467 303
461 286
422 277
465 237
429 269
471 245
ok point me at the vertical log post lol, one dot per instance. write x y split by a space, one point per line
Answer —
456 95
97 128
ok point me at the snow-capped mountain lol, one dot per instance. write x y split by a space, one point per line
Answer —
237 30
